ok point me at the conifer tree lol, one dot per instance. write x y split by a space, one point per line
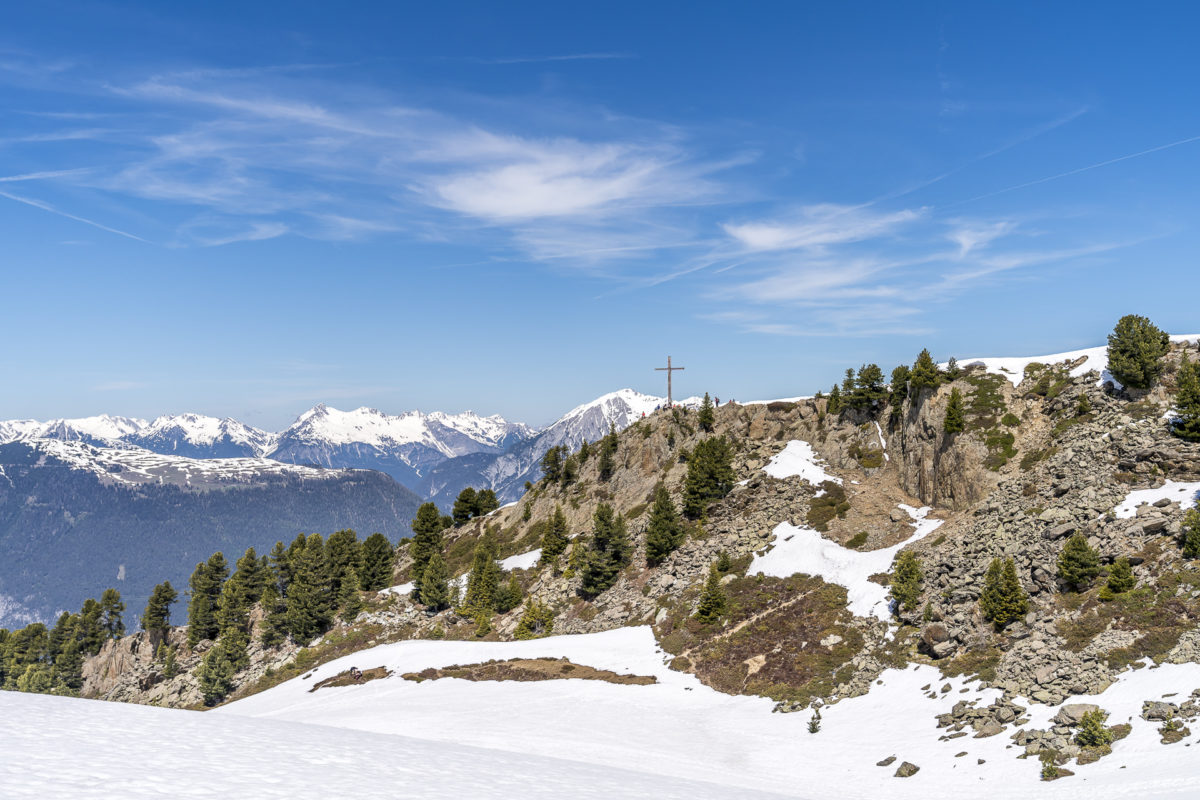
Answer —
1135 351
1120 577
899 389
349 600
585 450
570 470
834 404
713 601
1004 599
552 465
1084 406
343 555
607 463
1190 531
111 609
215 674
509 596
906 581
536 621
274 625
435 591
281 570
953 371
91 632
869 391
427 540
484 579
464 506
233 617
1187 402
554 540
955 420
309 602
665 531
848 385
925 374
377 559
251 575
607 554
205 584
156 619
706 417
1078 563
486 502
170 668
709 476
1092 732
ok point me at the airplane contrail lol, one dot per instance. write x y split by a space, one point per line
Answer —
46 207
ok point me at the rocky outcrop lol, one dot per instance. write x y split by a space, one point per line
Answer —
941 469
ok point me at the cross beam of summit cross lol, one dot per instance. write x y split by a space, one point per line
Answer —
669 369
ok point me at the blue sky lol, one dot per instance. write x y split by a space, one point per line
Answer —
246 209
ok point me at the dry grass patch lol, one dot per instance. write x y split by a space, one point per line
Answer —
346 679
528 669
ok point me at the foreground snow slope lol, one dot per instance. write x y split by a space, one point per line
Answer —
681 729
66 747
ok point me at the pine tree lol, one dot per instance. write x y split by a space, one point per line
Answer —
464 506
205 584
906 581
170 668
215 674
486 502
713 601
427 540
349 600
607 554
1078 564
111 609
554 540
607 463
665 531
570 470
274 625
1187 402
377 559
343 555
484 578
552 465
1120 577
706 418
952 369
509 596
251 575
233 616
536 621
925 374
1135 352
848 385
1003 600
869 391
585 450
156 619
309 602
435 591
955 420
1084 406
899 389
834 405
280 568
709 476
91 632
1190 531
1092 732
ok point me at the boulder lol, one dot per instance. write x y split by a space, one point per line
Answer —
1072 713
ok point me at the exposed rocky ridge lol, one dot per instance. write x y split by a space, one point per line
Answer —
787 637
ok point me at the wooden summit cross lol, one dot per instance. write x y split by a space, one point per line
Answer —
668 369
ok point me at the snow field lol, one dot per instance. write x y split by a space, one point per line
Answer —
71 748
681 729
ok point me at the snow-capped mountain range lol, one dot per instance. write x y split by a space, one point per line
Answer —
436 454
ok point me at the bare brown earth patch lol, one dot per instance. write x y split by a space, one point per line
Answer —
345 679
528 669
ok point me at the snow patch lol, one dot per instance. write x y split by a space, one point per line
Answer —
799 458
800 549
522 561
1185 494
